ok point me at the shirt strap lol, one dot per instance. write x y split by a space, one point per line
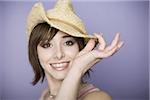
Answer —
86 90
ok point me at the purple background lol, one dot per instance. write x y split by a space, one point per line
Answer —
124 75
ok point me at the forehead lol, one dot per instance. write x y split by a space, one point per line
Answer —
61 34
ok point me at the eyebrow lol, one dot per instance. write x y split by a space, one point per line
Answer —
67 36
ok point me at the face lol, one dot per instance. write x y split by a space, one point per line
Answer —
56 56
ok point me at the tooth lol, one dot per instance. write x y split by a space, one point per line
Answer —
59 66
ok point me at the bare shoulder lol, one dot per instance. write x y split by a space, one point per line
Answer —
97 95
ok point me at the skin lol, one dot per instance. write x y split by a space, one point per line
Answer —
71 71
62 50
57 55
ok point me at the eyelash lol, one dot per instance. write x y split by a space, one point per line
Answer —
69 43
46 45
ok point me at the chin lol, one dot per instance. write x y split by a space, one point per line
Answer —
59 76
60 79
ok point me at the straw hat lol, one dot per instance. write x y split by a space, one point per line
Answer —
61 17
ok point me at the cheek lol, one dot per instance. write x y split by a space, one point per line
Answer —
43 55
43 58
71 51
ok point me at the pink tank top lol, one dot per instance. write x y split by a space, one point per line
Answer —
86 90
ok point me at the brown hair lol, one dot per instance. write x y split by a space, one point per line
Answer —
41 33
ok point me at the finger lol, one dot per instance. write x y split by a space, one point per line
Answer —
115 49
101 41
114 42
106 54
89 46
120 44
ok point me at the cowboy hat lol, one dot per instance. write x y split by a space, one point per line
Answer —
61 17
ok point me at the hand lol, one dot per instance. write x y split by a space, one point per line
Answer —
91 54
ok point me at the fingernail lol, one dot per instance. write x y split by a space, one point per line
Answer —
120 44
118 34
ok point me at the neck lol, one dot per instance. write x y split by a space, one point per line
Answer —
53 84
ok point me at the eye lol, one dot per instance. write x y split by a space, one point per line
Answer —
69 43
47 45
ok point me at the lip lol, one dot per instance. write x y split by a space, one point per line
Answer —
60 66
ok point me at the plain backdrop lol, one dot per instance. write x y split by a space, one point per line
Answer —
124 76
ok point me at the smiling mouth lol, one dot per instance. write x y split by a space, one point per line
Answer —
60 66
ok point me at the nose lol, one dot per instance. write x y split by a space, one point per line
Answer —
59 54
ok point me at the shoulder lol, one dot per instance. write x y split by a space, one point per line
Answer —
97 95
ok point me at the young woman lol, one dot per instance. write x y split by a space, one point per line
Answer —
60 51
